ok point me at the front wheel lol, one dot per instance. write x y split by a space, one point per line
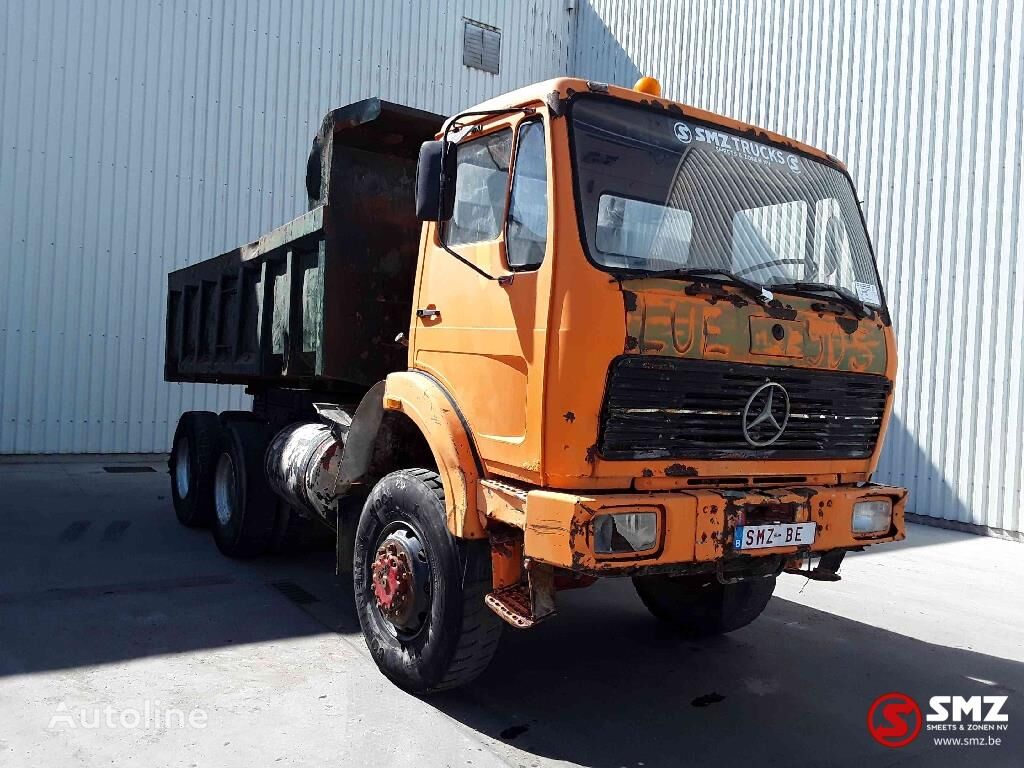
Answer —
699 606
419 590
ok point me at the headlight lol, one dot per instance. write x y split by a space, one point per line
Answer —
625 532
873 516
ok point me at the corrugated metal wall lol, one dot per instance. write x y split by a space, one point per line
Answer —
138 136
925 103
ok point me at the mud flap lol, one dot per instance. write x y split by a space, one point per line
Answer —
827 568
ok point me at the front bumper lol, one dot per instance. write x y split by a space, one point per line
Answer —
697 526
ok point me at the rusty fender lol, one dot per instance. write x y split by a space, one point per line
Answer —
432 410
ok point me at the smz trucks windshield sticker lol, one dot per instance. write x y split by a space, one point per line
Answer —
752 151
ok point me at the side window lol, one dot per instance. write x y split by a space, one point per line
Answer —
528 209
480 189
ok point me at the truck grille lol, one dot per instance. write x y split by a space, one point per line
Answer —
667 408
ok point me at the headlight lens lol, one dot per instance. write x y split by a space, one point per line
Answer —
873 516
625 532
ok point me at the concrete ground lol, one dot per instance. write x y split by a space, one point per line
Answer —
116 624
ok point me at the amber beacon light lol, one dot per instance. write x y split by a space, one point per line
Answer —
648 85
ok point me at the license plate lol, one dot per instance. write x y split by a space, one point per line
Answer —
775 535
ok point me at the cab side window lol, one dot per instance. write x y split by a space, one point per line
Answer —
528 209
480 189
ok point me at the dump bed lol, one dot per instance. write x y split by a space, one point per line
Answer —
316 303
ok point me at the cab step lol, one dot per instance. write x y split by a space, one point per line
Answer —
524 604
513 605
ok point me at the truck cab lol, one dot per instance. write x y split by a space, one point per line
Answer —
643 340
663 310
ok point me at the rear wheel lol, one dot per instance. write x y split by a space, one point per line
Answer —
192 462
700 606
244 504
420 591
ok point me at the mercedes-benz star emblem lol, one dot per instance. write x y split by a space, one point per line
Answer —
766 414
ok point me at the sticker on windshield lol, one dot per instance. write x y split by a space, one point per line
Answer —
752 151
868 293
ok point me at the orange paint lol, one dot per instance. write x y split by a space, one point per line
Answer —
517 368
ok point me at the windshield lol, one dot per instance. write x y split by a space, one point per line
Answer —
657 192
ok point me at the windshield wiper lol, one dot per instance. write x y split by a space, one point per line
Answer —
859 307
758 292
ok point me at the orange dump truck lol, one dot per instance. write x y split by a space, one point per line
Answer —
578 331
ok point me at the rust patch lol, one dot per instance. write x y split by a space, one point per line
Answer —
849 325
712 294
629 298
325 462
701 321
569 416
592 454
680 470
578 526
503 544
647 472
779 311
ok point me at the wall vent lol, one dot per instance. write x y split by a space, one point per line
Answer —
481 46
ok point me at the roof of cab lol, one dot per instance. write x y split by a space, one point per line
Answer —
564 87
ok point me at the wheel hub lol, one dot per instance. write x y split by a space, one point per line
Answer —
224 489
182 470
400 580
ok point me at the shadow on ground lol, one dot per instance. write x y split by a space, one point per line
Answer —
605 685
108 576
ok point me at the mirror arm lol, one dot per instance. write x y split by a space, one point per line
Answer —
469 263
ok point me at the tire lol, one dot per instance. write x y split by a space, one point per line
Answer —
450 635
244 505
699 606
191 465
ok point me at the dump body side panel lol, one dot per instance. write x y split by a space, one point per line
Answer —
251 314
317 303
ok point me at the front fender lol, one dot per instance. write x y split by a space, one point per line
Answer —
421 398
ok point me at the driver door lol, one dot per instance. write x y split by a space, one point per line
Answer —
484 339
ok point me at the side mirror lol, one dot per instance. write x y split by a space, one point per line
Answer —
435 181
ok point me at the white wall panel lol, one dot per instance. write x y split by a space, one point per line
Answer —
138 136
924 102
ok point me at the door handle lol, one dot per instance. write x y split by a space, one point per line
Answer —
428 313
